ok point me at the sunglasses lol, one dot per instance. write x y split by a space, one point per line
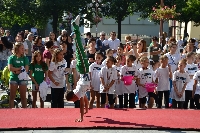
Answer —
103 35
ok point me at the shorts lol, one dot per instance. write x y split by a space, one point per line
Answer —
33 87
151 94
20 82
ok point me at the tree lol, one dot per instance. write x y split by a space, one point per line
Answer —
39 12
118 10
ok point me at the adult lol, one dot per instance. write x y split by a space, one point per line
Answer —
102 42
155 50
47 54
29 43
38 45
88 37
63 32
5 52
20 39
173 57
52 37
68 56
99 41
113 43
9 37
2 31
180 44
15 63
166 47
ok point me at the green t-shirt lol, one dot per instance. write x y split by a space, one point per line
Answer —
17 62
38 73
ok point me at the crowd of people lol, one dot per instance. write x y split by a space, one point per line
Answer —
173 67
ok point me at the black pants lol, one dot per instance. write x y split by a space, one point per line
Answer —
77 104
174 104
121 101
188 96
129 98
57 97
160 97
196 99
110 98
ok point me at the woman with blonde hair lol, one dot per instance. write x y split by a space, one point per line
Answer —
15 63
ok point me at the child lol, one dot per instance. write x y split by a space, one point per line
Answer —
109 52
180 80
75 77
79 94
38 73
120 51
191 69
108 75
197 61
145 76
57 70
162 75
118 82
129 70
94 71
196 89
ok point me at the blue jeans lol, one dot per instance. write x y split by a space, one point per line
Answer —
3 64
20 82
29 58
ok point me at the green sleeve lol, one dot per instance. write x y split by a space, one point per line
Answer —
26 61
31 67
10 60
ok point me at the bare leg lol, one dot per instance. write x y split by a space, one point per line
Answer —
41 102
22 89
151 101
34 94
13 89
92 93
86 104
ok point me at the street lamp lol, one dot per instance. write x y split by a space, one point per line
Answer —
96 6
67 17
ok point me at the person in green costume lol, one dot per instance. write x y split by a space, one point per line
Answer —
82 67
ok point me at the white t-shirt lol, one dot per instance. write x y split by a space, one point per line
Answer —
191 69
95 69
56 44
129 71
181 79
104 63
163 78
25 45
173 60
197 77
118 82
58 73
145 76
113 44
108 74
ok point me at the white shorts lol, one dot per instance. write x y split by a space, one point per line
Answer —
81 90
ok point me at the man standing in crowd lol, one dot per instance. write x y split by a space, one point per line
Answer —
9 37
64 32
113 43
28 41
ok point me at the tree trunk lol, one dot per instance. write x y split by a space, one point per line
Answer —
185 31
119 28
55 22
